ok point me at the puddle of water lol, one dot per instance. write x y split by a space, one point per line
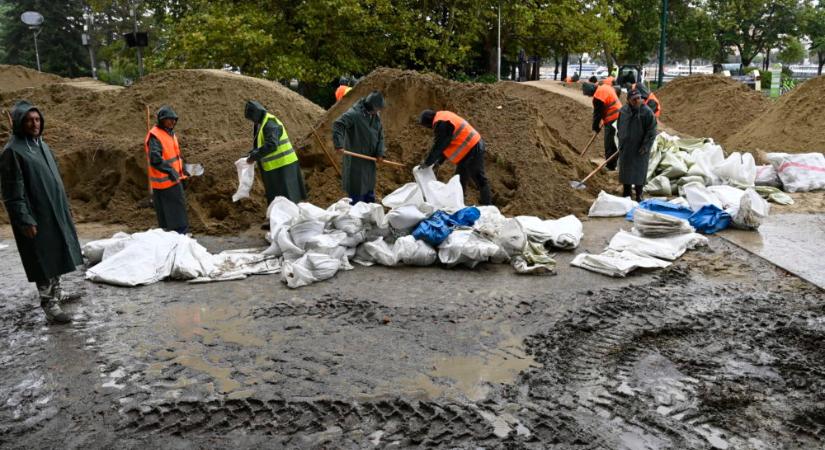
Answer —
222 324
220 374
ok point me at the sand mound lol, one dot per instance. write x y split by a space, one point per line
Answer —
13 78
98 138
531 137
709 106
791 125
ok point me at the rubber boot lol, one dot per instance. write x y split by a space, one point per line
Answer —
64 297
53 312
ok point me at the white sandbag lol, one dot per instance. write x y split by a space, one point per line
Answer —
408 194
490 221
448 197
308 211
413 252
466 247
607 205
652 224
348 224
697 196
327 243
308 269
801 172
304 231
679 201
728 196
405 217
369 213
147 258
191 260
616 264
659 185
668 248
766 176
246 178
673 165
381 252
704 160
355 239
565 233
511 238
752 211
286 246
737 168
93 251
281 212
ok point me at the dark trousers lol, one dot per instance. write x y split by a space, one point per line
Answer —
472 168
170 208
639 189
369 197
610 144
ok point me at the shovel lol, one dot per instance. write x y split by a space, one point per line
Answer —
589 143
581 185
370 158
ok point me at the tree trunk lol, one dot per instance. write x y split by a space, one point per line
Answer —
768 60
580 65
690 66
537 69
564 60
821 57
556 70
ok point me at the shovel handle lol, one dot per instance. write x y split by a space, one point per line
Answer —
370 158
601 166
589 143
326 152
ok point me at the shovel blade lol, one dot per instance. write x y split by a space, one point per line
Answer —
577 185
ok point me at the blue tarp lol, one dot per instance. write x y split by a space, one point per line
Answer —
710 219
663 207
438 227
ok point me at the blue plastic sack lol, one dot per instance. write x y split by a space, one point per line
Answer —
662 207
435 229
710 219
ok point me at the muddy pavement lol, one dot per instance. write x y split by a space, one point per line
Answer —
721 351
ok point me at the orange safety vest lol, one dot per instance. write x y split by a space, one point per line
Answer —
465 137
341 92
607 95
568 80
171 156
658 109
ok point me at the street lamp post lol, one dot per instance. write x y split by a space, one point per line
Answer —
34 20
662 40
498 63
86 39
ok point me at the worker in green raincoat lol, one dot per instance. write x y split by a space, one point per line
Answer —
276 158
359 130
38 209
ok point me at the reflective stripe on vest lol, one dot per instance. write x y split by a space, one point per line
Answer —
464 138
171 156
607 95
283 155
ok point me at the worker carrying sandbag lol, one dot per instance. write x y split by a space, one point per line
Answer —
343 89
637 131
606 106
38 209
649 99
276 158
458 142
166 172
359 130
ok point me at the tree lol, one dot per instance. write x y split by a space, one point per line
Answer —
691 33
61 50
639 30
813 26
753 26
792 52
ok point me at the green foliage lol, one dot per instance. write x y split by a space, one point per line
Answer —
793 52
766 76
691 34
640 29
813 25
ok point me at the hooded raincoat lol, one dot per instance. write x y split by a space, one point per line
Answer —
33 194
170 204
359 131
637 131
286 181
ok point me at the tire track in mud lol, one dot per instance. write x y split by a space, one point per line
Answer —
686 364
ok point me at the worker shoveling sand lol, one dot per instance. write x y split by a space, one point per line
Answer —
710 106
530 157
98 140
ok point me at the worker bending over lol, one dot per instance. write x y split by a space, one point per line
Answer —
637 131
458 142
359 130
276 158
166 172
606 106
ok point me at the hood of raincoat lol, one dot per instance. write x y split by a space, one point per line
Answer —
18 114
166 112
254 111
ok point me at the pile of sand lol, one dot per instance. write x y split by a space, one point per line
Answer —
98 138
792 124
531 137
710 106
13 78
